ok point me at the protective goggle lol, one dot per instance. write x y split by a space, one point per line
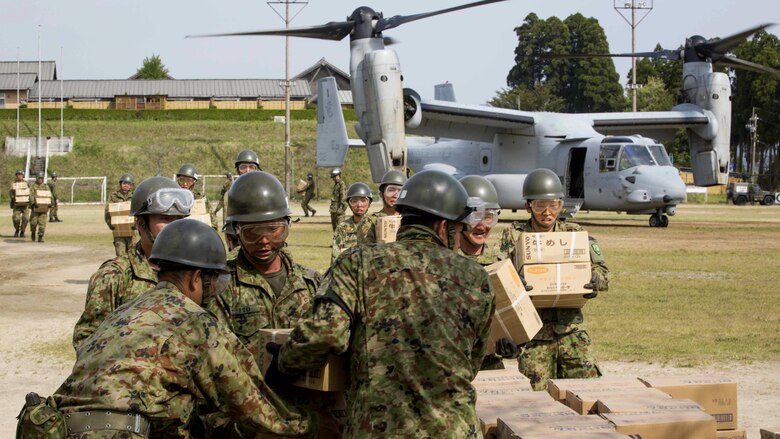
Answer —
214 283
275 232
539 206
392 189
489 219
354 201
170 201
475 211
247 167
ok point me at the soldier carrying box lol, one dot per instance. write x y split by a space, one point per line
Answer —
19 194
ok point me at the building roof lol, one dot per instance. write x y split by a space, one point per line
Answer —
9 81
48 68
173 89
322 64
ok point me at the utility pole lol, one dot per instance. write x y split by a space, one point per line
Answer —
752 127
633 5
287 19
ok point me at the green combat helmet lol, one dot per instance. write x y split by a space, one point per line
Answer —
434 192
335 172
247 156
188 170
481 187
126 178
359 190
542 184
19 171
191 243
54 175
40 175
392 177
257 196
139 202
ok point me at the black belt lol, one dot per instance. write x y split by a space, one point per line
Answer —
80 422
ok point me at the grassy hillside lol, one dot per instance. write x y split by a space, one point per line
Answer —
111 143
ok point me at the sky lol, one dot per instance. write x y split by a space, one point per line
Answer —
473 48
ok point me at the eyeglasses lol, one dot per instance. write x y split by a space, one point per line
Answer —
539 206
354 201
392 190
170 201
275 232
183 179
247 167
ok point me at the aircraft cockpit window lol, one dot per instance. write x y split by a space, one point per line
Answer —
608 158
635 155
660 156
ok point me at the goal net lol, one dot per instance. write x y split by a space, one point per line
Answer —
81 190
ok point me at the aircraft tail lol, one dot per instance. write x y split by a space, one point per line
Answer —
332 141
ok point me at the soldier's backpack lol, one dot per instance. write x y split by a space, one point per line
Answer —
40 419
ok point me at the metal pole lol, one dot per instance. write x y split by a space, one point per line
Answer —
287 100
38 146
62 102
633 58
754 136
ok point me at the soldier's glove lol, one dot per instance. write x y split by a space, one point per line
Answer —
592 285
275 378
506 348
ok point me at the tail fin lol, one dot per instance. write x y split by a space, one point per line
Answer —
332 141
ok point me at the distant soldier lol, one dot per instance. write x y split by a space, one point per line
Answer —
161 361
53 218
225 188
359 198
246 161
389 188
38 220
156 202
186 178
412 317
308 195
562 349
338 202
20 214
122 245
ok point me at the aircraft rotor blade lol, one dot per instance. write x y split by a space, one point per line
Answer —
334 30
737 63
397 20
661 54
724 45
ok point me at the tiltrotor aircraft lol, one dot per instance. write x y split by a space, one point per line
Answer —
604 160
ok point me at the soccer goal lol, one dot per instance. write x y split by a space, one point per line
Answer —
81 190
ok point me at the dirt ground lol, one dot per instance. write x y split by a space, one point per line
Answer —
42 289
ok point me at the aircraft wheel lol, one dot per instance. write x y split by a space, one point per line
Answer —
654 221
664 221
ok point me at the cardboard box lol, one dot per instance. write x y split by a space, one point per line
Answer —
21 193
21 186
123 226
630 404
300 186
499 376
770 433
489 409
515 316
204 218
387 228
516 428
332 377
571 435
42 201
119 209
731 434
584 401
690 424
558 285
552 247
199 208
717 395
557 387
22 199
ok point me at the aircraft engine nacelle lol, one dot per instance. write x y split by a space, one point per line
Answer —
709 145
412 111
383 121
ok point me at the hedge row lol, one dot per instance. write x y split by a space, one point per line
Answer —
163 115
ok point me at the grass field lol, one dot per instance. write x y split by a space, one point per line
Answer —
701 291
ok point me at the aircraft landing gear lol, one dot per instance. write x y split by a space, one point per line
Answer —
658 220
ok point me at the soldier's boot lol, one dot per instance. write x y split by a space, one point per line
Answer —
21 234
32 234
16 233
40 238
313 212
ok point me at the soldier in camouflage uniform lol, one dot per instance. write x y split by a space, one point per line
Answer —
186 178
161 360
53 218
562 349
225 188
122 245
389 188
38 220
20 215
246 161
359 198
156 202
308 195
413 318
338 202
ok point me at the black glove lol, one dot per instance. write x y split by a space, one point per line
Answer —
276 379
506 348
592 285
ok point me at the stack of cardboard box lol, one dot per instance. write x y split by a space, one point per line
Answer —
387 228
21 193
42 201
199 213
121 221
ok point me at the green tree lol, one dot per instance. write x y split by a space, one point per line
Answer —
539 98
654 96
152 68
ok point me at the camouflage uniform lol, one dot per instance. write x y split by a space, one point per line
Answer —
37 219
162 355
338 203
250 303
307 197
54 200
344 237
225 188
121 245
197 195
117 281
414 319
562 349
20 215
366 233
